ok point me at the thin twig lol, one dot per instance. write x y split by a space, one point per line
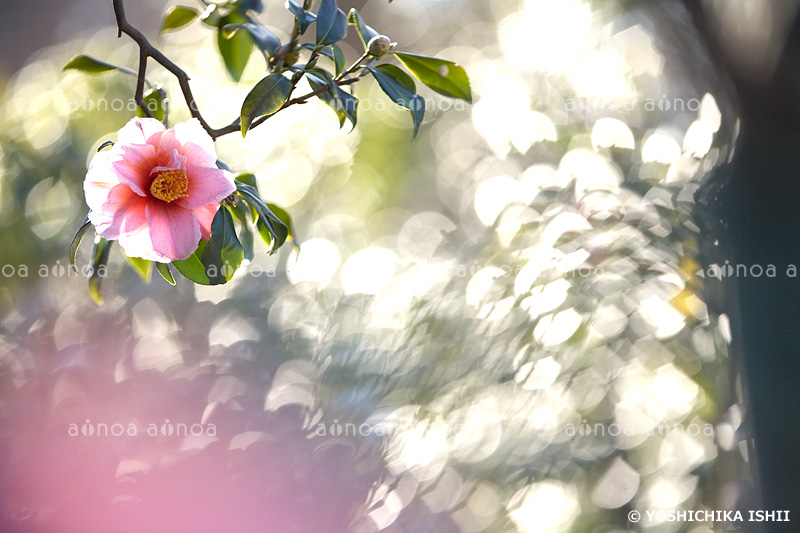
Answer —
147 50
139 94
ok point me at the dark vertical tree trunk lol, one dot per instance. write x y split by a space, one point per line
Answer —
754 204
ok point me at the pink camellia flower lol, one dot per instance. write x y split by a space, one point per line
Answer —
157 190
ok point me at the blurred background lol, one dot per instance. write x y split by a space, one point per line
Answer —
498 327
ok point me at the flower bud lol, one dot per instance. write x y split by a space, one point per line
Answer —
379 45
292 58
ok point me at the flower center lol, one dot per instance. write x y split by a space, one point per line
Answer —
170 185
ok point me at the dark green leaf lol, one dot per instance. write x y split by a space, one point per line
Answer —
163 269
282 214
338 58
240 211
142 267
398 74
334 53
324 51
331 23
327 97
264 39
365 32
105 144
224 253
192 267
92 65
266 235
177 17
343 103
304 18
100 253
248 179
272 230
267 97
236 50
155 99
400 95
222 165
76 241
247 240
444 77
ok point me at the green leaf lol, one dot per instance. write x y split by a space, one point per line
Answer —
178 17
365 32
266 235
248 179
163 269
92 65
192 267
239 212
398 74
395 90
224 253
338 58
236 50
344 104
142 267
105 144
155 100
100 254
331 23
271 228
267 97
304 18
444 77
327 97
334 53
282 214
264 39
76 242
247 240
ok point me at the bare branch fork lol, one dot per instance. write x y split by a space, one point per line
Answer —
147 50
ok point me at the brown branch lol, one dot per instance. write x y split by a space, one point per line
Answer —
139 94
146 50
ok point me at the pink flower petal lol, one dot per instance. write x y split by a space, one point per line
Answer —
174 231
205 215
100 179
207 185
123 213
135 165
167 148
140 131
176 161
141 245
196 144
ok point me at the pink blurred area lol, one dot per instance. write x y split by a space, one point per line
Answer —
92 445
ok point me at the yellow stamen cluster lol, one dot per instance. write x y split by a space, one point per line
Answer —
170 185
